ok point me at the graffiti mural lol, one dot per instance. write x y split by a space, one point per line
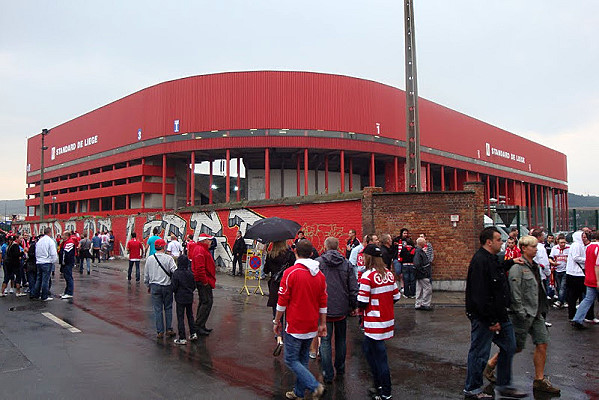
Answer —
318 221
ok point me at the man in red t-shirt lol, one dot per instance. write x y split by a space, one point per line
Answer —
303 299
511 250
591 268
135 249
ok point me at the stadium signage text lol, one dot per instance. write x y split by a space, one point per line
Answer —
57 151
493 151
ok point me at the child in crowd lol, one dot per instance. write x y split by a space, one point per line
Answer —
183 287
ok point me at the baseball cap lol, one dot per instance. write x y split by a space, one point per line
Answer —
205 236
373 250
159 243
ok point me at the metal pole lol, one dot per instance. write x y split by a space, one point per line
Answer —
412 123
44 133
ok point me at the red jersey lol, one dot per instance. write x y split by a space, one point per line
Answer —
380 293
512 253
303 297
134 247
591 261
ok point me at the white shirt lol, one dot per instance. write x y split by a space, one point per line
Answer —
45 251
543 261
560 256
153 273
175 248
576 256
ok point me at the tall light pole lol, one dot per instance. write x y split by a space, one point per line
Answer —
44 148
412 123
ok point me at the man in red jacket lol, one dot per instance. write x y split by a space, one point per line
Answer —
303 299
204 273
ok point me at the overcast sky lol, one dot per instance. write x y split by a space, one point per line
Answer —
529 67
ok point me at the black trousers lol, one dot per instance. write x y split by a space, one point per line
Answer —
204 306
183 309
576 292
237 260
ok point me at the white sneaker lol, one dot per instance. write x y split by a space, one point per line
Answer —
548 324
592 321
66 296
194 337
11 291
21 294
180 341
48 299
557 304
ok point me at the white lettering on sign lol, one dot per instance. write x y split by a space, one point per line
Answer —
492 151
57 151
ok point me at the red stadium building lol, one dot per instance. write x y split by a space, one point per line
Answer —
233 137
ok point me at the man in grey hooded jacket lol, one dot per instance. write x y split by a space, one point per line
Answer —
342 290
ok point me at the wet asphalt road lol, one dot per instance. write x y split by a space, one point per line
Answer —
116 354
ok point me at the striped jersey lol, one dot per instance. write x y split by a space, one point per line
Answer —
379 292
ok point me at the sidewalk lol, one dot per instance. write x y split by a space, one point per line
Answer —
226 281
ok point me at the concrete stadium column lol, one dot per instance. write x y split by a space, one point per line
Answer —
228 179
567 211
113 203
429 182
488 196
442 178
351 175
77 208
305 172
342 170
497 192
506 191
297 158
143 179
326 174
210 184
164 182
542 190
127 201
192 178
455 179
372 172
396 173
536 203
553 209
467 176
238 179
529 205
266 173
88 205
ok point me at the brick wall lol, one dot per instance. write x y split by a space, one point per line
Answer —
430 212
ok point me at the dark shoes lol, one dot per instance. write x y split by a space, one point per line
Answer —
203 332
543 385
508 394
578 325
481 395
171 333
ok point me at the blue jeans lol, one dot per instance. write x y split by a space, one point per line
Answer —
162 299
409 280
326 356
87 260
397 267
560 286
297 355
376 355
67 272
131 269
42 281
586 304
480 346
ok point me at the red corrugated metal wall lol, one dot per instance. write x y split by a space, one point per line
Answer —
293 100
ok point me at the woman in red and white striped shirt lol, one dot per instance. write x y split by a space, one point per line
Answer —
378 292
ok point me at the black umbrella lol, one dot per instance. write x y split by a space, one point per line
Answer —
272 229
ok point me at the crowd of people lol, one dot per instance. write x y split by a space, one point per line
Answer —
29 261
510 287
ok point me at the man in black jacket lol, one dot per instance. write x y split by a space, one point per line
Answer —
487 303
239 249
342 289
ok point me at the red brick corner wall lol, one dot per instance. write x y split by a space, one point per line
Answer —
430 212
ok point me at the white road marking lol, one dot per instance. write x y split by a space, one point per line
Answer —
60 322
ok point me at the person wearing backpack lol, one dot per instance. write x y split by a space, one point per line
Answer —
183 287
422 273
